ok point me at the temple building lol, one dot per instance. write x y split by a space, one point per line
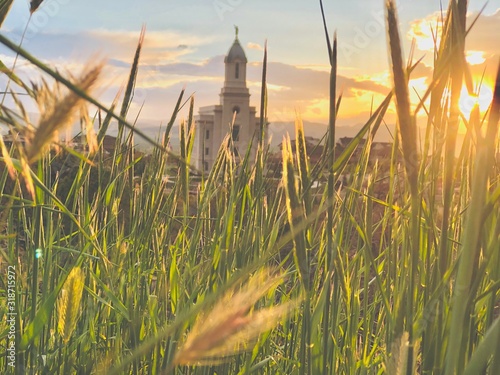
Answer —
233 115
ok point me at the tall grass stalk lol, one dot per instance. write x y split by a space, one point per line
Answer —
408 133
332 55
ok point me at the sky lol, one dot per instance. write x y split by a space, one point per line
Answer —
186 41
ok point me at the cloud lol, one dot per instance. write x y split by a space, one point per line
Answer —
421 70
426 31
119 45
257 46
483 36
212 67
307 90
290 87
69 52
305 82
168 64
481 48
311 83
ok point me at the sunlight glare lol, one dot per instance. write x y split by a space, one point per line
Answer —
483 99
475 57
418 87
426 32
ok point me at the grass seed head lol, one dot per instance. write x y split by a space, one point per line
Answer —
399 356
232 325
406 123
68 304
57 111
7 159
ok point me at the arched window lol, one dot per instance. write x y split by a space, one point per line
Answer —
237 71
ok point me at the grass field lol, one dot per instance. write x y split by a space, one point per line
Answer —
234 272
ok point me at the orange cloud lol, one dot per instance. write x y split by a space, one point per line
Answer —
426 32
481 39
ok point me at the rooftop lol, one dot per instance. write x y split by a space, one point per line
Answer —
236 51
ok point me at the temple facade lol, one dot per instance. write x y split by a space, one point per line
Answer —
233 115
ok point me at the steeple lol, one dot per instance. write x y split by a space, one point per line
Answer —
236 64
236 53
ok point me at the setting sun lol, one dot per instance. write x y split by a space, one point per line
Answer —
475 57
483 99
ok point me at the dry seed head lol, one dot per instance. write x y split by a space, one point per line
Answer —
90 134
7 159
57 112
28 179
22 166
231 326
